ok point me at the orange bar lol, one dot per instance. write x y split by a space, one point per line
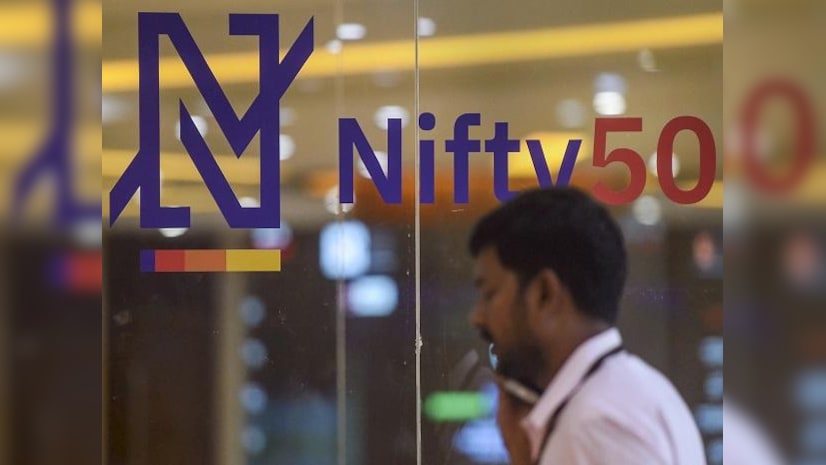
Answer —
205 260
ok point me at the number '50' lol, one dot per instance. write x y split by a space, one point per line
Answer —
636 164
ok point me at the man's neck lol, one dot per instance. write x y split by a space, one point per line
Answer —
563 346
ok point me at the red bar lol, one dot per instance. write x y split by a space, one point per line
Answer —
170 261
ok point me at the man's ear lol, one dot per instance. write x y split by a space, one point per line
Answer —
544 292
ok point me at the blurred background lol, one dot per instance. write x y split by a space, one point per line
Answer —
775 286
50 232
318 364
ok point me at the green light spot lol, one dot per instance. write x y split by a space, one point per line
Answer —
456 406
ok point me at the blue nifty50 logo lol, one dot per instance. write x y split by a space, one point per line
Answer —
262 117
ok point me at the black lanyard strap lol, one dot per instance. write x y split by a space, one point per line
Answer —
558 412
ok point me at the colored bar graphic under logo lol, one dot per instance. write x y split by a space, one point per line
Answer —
210 261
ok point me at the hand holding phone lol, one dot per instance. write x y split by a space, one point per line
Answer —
509 417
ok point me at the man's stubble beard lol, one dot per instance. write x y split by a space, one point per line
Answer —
525 361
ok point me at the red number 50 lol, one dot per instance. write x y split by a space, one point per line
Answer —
636 164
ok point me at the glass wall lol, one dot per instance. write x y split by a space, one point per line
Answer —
550 69
357 350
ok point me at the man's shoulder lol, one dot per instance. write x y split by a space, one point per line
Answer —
626 388
628 407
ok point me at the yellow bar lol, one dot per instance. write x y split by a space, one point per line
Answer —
448 52
253 260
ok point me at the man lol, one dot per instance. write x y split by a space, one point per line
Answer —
550 270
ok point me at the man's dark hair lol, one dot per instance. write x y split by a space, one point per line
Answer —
564 230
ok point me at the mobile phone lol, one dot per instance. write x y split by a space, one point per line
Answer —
520 391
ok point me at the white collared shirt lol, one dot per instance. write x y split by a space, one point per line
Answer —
625 413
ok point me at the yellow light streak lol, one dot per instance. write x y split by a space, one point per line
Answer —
449 52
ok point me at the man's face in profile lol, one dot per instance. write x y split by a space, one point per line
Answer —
501 315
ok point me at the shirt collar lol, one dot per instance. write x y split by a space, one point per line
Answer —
564 382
